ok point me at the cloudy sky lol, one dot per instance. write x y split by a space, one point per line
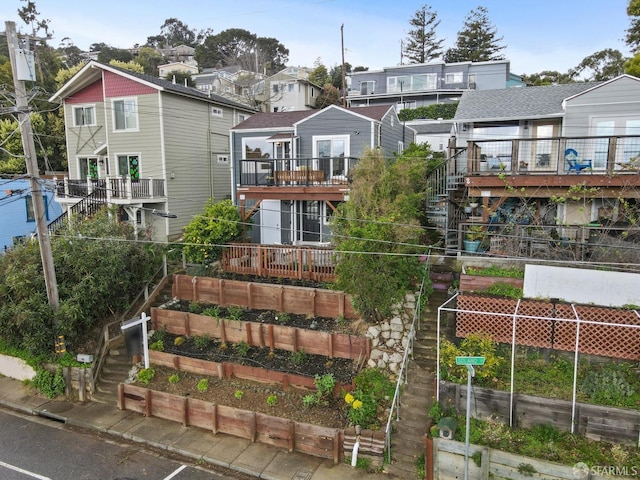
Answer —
539 35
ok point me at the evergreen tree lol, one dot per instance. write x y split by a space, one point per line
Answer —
422 45
633 32
477 41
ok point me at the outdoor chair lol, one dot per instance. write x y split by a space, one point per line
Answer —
571 156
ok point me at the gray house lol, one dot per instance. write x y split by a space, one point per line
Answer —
416 85
148 145
291 169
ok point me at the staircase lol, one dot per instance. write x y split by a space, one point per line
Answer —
118 363
407 439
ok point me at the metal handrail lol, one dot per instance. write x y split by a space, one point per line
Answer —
395 404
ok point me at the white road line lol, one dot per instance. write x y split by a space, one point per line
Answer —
175 473
26 472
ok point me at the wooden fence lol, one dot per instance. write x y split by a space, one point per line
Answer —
230 369
607 424
279 337
314 302
290 261
299 437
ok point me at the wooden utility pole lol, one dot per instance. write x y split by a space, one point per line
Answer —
344 83
29 147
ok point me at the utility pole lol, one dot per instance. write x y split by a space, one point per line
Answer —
31 160
344 86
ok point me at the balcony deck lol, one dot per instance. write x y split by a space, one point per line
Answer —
112 189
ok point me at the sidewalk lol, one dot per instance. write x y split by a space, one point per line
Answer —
254 459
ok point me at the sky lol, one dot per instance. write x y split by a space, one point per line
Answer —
539 34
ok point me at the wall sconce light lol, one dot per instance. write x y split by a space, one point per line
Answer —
464 127
526 124
357 132
172 174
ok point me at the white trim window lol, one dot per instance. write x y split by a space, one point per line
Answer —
129 165
84 115
125 114
455 77
333 148
217 112
88 168
368 87
223 159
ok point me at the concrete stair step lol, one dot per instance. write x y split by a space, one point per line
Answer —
108 398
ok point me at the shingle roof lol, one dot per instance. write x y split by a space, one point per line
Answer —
288 119
517 103
181 89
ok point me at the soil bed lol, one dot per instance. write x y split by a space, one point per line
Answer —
300 363
252 396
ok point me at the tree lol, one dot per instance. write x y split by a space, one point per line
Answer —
236 46
208 232
477 41
633 32
319 75
108 53
548 77
632 65
603 65
71 54
149 58
180 77
329 95
379 230
174 32
130 65
422 45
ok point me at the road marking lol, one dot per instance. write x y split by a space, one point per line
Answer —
26 472
175 473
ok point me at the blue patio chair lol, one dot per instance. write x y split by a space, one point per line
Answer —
571 156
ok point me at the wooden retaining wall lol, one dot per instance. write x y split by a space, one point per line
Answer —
498 465
230 369
478 283
608 424
255 334
283 433
263 296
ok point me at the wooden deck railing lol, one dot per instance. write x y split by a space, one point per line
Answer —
290 261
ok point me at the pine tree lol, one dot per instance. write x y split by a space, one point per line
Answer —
633 32
477 41
422 44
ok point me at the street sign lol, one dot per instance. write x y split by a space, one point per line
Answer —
469 360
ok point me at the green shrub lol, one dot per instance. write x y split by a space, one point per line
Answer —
213 311
504 290
146 375
475 345
377 382
203 385
195 307
235 313
238 394
49 384
309 400
158 346
201 342
495 271
160 335
173 379
282 318
607 387
298 358
242 348
272 400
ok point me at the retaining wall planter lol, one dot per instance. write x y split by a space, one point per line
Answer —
257 427
264 296
280 337
608 424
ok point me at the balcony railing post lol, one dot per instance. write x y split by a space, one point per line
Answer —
128 187
108 186
150 187
66 186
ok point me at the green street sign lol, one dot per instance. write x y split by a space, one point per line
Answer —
469 360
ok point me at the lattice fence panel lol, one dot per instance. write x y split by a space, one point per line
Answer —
546 328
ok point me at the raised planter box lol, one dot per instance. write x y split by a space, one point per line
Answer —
299 437
608 424
478 283
228 370
263 296
279 337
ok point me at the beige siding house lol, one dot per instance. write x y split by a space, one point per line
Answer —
156 149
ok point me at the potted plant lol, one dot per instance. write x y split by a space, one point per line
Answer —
473 202
475 234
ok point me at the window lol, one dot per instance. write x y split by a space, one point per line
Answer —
125 114
88 167
408 83
129 165
368 87
290 87
331 153
216 112
453 77
84 116
223 159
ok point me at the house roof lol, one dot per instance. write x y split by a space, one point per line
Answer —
92 71
431 128
517 103
289 119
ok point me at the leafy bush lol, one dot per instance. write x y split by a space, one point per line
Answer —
372 389
495 271
501 289
238 394
158 346
242 348
282 318
298 358
475 345
607 387
49 384
201 342
203 385
235 313
146 375
213 311
173 379
272 400
204 237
